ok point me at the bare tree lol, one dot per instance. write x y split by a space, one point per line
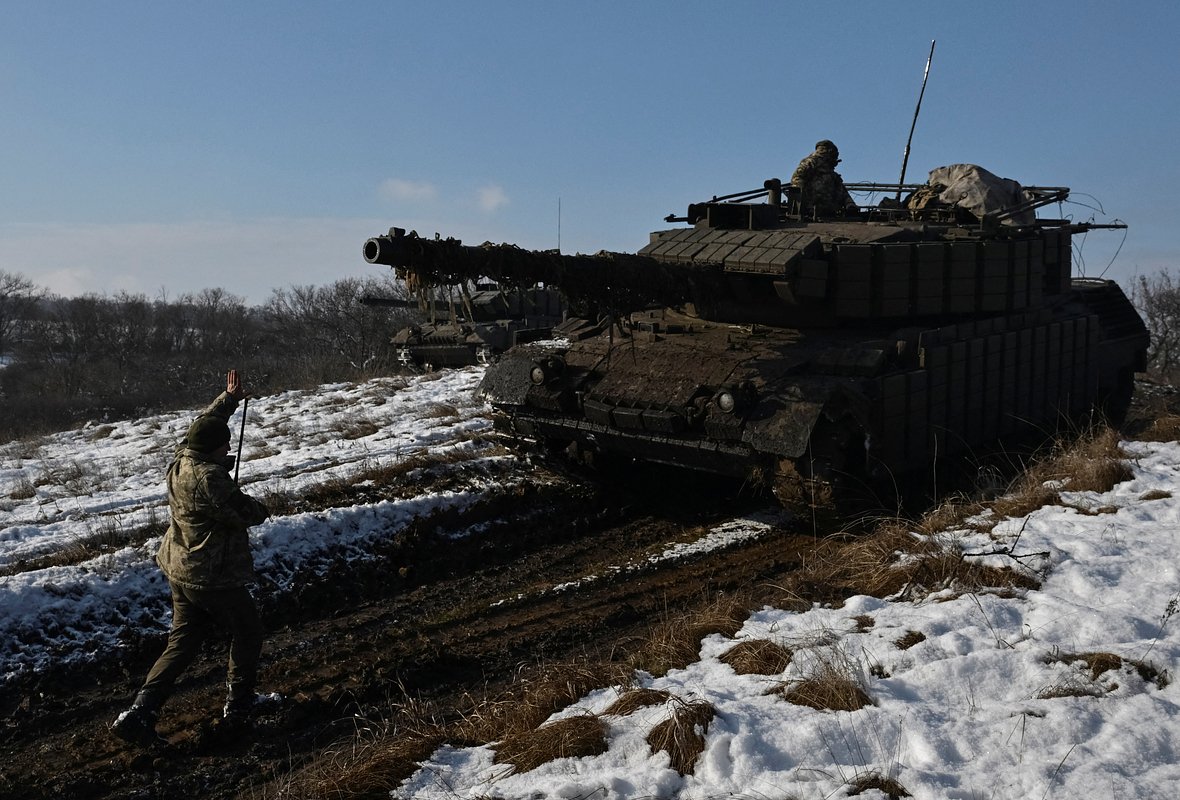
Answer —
18 297
332 323
1158 299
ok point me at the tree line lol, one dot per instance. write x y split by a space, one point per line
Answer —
99 357
67 360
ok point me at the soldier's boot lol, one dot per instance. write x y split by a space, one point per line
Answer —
243 704
137 725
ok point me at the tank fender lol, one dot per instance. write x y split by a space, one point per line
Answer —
509 383
782 423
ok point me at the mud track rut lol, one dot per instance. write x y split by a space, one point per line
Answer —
438 619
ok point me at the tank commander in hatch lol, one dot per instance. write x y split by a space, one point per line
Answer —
819 188
205 555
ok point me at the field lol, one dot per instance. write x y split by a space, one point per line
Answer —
449 619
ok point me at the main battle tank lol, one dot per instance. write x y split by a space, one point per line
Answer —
811 355
472 327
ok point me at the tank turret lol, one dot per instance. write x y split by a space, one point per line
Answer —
811 353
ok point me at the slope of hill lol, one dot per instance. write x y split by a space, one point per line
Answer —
413 562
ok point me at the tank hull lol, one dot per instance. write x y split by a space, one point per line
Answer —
837 405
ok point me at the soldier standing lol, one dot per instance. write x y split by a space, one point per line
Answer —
819 187
205 554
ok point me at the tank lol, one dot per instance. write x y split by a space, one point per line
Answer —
471 327
819 357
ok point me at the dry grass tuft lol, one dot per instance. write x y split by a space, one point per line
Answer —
632 700
1165 428
1028 496
76 478
99 433
892 561
572 737
1099 663
22 489
947 515
676 642
342 490
872 563
832 686
441 411
357 428
875 780
371 763
1155 494
378 758
534 698
909 639
682 735
105 533
757 657
1094 462
1071 686
362 769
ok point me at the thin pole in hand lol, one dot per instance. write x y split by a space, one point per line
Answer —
241 433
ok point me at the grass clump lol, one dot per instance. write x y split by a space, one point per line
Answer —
909 639
533 699
573 737
869 781
1099 663
634 699
1093 462
682 735
1164 428
372 762
22 489
832 686
757 657
676 642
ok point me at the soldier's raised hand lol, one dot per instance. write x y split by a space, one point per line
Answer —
233 385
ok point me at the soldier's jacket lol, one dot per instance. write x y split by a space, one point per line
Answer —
207 545
821 187
809 168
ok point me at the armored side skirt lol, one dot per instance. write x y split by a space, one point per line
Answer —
722 458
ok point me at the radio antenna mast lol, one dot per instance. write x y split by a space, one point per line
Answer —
906 158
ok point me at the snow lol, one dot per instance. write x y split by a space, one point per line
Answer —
993 702
108 478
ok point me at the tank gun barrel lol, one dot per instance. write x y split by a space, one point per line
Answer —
607 281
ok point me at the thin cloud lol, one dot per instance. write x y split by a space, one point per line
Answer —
248 258
404 191
491 198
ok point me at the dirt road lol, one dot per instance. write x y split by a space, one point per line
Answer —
441 617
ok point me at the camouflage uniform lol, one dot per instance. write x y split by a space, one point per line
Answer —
205 555
819 187
207 545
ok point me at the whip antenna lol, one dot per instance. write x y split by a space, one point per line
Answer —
906 158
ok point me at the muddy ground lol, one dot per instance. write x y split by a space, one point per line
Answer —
439 619
436 619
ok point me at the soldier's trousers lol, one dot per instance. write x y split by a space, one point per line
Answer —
197 613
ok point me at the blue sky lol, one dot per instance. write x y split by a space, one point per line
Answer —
166 147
